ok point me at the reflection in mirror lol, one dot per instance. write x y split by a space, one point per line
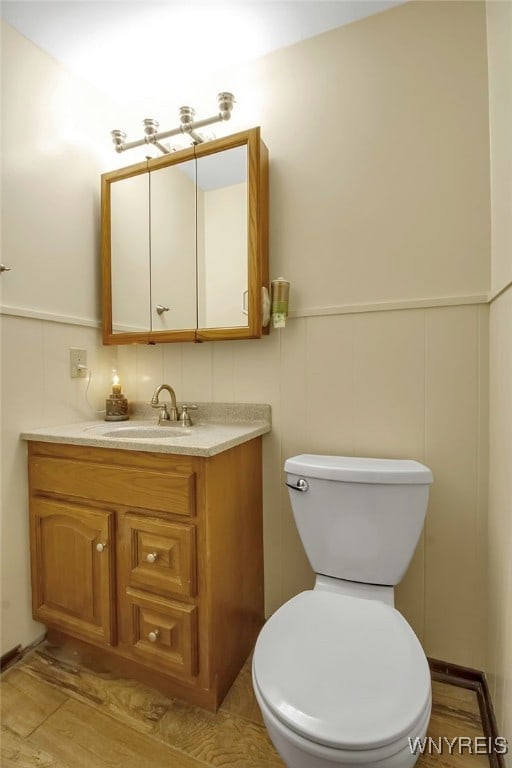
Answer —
129 232
173 247
222 227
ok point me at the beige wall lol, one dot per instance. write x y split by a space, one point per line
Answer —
378 141
53 148
51 159
499 664
499 42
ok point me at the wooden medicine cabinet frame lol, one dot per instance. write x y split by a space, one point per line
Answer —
257 241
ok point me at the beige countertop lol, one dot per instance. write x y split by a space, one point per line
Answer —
216 428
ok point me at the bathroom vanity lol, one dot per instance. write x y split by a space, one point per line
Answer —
147 553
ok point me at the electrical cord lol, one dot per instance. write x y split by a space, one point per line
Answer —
87 390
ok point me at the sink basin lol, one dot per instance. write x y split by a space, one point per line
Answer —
145 432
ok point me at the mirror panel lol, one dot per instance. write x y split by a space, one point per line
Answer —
129 254
173 247
222 248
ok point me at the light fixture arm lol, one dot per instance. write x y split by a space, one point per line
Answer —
187 126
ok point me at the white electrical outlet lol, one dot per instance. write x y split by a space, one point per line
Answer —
78 363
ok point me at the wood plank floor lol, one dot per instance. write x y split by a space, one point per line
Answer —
56 713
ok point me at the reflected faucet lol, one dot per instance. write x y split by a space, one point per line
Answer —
165 415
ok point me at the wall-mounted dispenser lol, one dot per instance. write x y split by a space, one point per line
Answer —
280 298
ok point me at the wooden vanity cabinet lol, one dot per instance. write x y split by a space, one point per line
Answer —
150 563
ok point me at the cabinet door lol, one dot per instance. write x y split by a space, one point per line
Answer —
232 182
222 227
173 247
130 254
72 579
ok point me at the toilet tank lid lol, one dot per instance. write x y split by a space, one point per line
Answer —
352 469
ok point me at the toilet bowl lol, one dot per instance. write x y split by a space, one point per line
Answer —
341 681
339 675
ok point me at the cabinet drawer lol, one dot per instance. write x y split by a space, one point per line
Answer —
130 486
159 556
164 633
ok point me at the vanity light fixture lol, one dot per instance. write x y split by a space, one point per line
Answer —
187 126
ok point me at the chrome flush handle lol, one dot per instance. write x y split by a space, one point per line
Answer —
301 485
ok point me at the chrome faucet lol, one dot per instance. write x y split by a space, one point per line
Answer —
171 416
165 415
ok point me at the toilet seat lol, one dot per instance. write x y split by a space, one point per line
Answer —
342 672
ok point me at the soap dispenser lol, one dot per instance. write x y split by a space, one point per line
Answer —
280 297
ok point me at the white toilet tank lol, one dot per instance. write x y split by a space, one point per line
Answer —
359 519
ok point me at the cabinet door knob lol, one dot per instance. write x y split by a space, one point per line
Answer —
153 635
151 557
101 546
161 309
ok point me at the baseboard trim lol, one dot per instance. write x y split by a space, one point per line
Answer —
11 657
465 677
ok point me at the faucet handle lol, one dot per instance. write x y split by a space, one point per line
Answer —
184 416
164 413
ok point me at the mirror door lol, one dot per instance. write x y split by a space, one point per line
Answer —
222 239
129 254
172 230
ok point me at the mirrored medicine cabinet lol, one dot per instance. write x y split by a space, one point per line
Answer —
185 244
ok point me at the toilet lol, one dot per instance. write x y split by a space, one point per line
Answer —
339 675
